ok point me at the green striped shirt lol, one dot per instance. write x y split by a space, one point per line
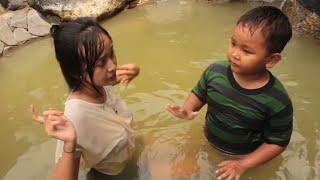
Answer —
239 120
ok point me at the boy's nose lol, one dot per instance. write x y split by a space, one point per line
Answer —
236 55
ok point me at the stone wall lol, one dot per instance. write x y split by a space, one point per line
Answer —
17 27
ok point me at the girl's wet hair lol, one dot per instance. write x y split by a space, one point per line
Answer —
78 47
274 25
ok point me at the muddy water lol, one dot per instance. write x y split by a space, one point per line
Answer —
173 42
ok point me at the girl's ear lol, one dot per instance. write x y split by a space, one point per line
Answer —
273 60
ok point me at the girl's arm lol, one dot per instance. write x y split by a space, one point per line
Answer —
67 167
58 126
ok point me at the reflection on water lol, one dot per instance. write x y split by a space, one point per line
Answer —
173 41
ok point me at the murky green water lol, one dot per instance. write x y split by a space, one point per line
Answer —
173 41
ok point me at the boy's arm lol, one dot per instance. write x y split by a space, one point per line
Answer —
233 169
189 110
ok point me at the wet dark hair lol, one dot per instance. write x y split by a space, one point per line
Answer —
78 47
274 25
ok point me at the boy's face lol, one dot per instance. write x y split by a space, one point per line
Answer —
247 52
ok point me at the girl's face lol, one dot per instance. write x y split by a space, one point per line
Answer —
105 69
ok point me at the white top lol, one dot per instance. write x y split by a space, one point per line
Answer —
104 133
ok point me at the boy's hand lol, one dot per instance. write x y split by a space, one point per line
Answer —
180 112
231 169
126 73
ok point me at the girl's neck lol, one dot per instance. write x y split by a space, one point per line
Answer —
252 81
89 94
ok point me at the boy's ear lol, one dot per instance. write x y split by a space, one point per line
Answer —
273 60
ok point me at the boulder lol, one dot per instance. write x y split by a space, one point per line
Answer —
6 34
16 4
36 25
19 19
72 9
2 9
21 35
1 48
4 3
277 3
304 21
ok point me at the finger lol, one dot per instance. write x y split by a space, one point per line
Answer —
224 175
221 171
125 72
126 82
126 67
52 112
50 127
223 163
34 114
237 177
231 176
57 118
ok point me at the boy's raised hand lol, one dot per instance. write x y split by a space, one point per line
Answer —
230 169
180 112
127 73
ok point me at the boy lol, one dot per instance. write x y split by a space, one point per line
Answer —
249 113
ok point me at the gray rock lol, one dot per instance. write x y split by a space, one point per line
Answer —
36 25
72 9
1 47
19 19
21 35
16 4
6 34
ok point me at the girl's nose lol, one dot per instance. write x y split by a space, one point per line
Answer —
112 66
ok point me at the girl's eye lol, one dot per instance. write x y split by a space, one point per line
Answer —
233 44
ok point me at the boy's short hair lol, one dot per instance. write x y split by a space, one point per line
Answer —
274 25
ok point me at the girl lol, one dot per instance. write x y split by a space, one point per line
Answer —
100 120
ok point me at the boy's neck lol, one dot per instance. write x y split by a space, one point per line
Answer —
252 81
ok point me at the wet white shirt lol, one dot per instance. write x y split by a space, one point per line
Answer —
104 133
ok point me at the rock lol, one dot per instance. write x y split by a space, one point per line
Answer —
2 9
303 20
276 3
72 9
4 3
6 34
21 35
19 19
36 25
1 48
312 5
16 4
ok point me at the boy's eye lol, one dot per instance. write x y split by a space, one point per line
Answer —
247 51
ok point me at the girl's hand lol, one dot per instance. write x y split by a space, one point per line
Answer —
126 73
231 169
180 112
57 126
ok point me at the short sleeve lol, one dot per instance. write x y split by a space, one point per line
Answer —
278 128
200 90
